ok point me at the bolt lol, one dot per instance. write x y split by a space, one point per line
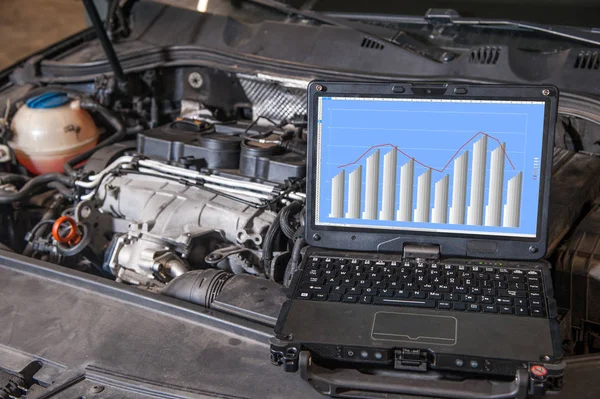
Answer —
545 92
318 88
546 358
96 389
533 249
316 237
214 256
195 80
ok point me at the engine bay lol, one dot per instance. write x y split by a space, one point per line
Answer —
189 182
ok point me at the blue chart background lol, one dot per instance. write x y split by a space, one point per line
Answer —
431 132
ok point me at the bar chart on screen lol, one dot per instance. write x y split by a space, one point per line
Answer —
454 210
454 166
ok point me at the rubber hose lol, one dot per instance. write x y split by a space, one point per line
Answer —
109 118
268 243
10 178
31 185
286 225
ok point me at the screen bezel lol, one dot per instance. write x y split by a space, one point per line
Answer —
451 244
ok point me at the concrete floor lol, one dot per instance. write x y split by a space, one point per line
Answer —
30 25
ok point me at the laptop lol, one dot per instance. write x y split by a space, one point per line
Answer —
426 219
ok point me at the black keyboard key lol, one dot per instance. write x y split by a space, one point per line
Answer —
385 293
534 287
304 295
460 290
506 309
395 285
366 299
444 305
485 299
314 280
418 295
370 291
334 297
339 289
435 295
471 307
536 303
516 279
520 302
489 291
532 280
532 273
427 287
521 311
315 288
501 284
379 284
490 308
475 290
363 283
516 286
535 295
426 303
411 286
350 298
354 291
537 312
443 288
451 297
504 301
319 297
401 294
459 305
512 293
469 298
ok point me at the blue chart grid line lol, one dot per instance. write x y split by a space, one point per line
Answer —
502 140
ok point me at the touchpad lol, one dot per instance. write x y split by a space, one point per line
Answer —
408 327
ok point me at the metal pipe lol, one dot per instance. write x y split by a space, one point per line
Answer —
109 50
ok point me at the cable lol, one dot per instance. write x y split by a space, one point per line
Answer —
292 267
31 185
286 224
268 243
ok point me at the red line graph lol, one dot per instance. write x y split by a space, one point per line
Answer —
427 166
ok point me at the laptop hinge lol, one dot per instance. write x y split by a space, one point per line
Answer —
419 251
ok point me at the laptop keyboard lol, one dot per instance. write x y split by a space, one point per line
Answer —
512 291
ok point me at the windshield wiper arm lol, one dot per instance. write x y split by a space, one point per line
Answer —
452 17
400 39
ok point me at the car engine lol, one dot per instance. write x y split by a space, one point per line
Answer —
189 181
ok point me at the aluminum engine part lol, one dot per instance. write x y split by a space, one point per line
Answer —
167 217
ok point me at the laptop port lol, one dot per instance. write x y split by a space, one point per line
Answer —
410 359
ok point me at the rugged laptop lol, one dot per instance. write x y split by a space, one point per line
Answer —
427 217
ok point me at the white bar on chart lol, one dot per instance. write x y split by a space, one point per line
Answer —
475 209
354 193
337 195
407 177
372 186
459 189
388 197
512 209
493 210
423 197
439 213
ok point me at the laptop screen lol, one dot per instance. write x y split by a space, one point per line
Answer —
429 165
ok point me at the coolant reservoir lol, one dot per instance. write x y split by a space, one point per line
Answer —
49 130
